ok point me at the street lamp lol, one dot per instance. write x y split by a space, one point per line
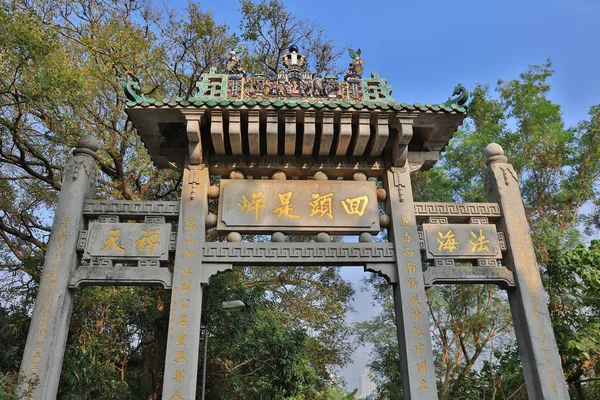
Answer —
233 305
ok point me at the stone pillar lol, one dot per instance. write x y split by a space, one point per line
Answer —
541 362
45 347
181 364
414 340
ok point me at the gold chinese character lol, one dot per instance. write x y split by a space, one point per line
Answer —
189 240
176 396
412 283
321 205
424 385
179 375
356 206
35 366
39 344
255 205
447 241
182 320
63 230
52 283
406 238
417 332
37 354
404 223
414 299
408 252
551 373
553 385
415 314
186 286
44 323
54 274
42 333
148 240
479 243
183 304
187 271
180 357
420 347
285 207
187 253
66 219
46 313
112 241
422 368
411 268
58 255
190 225
181 339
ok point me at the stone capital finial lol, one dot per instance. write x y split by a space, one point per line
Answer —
87 145
495 153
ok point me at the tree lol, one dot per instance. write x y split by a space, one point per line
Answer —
559 171
62 68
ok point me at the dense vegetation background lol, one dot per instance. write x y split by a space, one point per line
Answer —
62 67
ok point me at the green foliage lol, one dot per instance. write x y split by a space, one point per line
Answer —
559 171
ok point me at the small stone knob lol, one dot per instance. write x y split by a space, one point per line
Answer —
495 153
87 145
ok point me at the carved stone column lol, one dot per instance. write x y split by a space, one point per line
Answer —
414 340
181 364
45 347
541 362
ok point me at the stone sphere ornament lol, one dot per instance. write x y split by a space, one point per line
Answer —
213 192
234 237
381 194
211 221
278 237
323 237
365 237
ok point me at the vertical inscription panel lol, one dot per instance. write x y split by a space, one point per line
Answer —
298 206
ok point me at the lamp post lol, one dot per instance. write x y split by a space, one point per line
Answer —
233 305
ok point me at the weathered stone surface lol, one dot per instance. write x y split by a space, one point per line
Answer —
410 302
44 349
541 361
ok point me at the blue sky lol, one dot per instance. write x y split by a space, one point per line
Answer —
424 48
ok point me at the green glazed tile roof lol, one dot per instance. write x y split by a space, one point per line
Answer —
298 104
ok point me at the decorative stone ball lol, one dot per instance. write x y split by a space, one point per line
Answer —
293 48
381 194
236 175
320 176
234 237
359 176
494 149
211 220
279 176
213 192
87 142
278 237
323 237
384 220
365 237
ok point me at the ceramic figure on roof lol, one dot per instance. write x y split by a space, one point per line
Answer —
355 69
234 64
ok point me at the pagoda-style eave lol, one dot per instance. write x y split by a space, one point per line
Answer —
342 139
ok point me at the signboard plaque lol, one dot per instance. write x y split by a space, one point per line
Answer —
254 206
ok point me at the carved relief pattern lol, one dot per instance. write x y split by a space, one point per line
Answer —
131 208
295 253
491 210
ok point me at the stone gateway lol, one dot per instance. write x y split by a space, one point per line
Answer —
296 154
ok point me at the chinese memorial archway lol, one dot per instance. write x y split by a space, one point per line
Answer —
297 155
